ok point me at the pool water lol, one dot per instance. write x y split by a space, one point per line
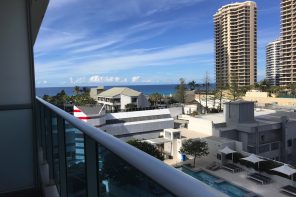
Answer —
225 187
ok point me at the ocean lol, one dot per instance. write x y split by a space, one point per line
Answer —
146 89
167 90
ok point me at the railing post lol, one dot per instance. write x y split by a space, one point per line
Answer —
91 164
62 156
38 123
42 130
49 146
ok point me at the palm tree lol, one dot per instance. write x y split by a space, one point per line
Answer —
180 93
76 90
192 85
264 85
154 98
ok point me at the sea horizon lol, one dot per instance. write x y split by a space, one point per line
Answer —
163 89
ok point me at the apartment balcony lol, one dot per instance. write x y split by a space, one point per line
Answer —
100 164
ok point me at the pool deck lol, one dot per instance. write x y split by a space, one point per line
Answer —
240 179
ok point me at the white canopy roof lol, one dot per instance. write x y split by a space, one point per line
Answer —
285 169
226 150
253 158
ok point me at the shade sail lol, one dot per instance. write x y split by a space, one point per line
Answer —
285 169
252 158
226 150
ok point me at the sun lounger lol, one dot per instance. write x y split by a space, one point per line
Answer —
259 178
289 189
231 167
213 167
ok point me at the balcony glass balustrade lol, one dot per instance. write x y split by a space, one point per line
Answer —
86 161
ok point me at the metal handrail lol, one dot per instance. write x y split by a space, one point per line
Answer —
176 182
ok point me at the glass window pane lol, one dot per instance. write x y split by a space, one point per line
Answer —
119 179
76 179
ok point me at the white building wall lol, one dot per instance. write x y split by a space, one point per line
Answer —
93 93
17 129
125 100
201 126
176 111
121 115
139 126
189 109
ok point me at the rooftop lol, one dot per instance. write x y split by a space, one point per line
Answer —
215 118
119 91
90 109
219 139
263 115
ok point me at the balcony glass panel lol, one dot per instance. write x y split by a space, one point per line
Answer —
76 178
119 179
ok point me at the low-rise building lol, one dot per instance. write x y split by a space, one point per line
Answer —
118 98
146 124
267 133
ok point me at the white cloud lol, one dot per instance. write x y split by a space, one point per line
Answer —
78 80
155 58
106 79
136 79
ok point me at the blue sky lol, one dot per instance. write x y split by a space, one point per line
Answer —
115 42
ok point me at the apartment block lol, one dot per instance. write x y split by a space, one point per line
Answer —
288 33
236 44
273 61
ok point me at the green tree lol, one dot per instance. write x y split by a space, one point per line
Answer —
76 90
234 89
147 148
275 89
192 85
155 98
62 98
180 93
264 85
219 94
195 147
214 97
292 88
85 90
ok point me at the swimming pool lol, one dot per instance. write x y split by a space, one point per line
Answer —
215 182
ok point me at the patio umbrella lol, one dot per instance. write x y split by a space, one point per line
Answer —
226 150
285 169
253 159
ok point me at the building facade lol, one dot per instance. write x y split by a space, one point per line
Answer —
288 34
273 61
236 44
270 135
145 124
118 98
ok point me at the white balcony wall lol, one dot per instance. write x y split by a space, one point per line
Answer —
19 25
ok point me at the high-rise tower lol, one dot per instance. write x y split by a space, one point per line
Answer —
236 44
273 62
288 45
